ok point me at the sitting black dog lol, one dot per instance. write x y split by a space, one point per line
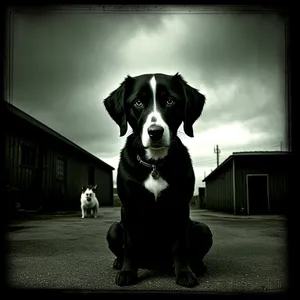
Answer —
156 180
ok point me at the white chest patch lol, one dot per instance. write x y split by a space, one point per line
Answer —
155 186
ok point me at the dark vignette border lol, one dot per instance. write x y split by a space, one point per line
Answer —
287 11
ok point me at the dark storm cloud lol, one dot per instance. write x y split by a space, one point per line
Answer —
237 61
258 107
244 51
66 64
63 53
61 68
232 46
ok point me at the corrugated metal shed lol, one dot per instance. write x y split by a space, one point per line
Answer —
46 168
231 186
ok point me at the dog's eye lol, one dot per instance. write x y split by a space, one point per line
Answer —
170 101
138 103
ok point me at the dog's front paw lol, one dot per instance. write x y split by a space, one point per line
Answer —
200 269
125 278
186 279
82 217
118 264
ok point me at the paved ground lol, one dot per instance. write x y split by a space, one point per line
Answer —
67 252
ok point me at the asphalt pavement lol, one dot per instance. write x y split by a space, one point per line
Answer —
63 251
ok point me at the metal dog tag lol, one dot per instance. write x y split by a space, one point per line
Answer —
155 173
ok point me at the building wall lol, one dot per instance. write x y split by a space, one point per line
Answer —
277 170
77 171
76 176
19 175
219 191
278 191
37 182
40 185
104 182
51 187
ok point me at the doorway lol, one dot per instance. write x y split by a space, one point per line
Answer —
258 194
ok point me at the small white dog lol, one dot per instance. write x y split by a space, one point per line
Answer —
89 201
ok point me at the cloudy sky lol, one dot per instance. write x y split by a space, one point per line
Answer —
66 63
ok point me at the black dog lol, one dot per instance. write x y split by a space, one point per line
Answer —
156 180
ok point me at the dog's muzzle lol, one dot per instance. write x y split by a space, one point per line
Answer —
155 133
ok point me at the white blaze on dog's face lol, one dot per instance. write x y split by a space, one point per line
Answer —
155 133
155 105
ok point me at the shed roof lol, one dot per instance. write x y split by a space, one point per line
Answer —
243 154
21 114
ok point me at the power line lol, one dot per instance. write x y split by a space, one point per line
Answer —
205 161
204 164
209 161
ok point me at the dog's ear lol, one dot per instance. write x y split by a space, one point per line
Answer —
83 188
194 103
94 187
115 104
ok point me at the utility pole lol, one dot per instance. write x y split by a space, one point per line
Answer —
204 174
217 150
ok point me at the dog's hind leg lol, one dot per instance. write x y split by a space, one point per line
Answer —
114 238
200 241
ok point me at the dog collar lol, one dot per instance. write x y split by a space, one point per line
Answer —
154 173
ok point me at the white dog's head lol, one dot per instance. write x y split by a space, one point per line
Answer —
87 192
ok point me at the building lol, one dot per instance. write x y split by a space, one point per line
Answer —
46 170
117 201
201 196
249 183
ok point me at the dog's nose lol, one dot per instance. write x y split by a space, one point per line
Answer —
155 132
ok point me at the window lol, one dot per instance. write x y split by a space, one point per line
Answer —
60 168
28 156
